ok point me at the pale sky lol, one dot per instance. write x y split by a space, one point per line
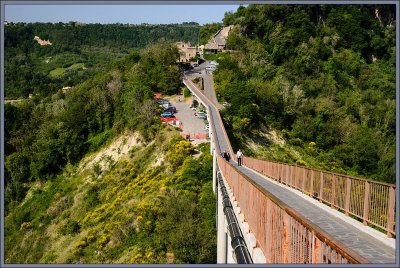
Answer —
135 14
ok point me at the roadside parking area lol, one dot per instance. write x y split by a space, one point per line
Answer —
191 124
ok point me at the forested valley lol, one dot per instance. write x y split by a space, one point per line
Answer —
78 51
67 201
312 85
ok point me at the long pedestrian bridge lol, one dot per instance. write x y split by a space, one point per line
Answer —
275 213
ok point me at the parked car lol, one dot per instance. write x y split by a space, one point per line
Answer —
201 113
162 101
167 114
202 116
207 127
214 63
171 109
195 65
168 119
210 68
166 105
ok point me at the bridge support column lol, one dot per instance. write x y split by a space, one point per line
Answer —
211 142
221 232
230 258
214 171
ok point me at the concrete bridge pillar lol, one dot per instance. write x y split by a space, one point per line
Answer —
211 141
221 231
214 171
230 258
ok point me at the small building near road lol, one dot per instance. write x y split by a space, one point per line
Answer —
187 51
217 43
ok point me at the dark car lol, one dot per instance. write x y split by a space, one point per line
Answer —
171 109
161 101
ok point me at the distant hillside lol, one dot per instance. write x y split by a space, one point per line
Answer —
73 35
320 79
28 64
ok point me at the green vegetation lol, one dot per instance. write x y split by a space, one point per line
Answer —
43 70
63 208
61 71
44 134
60 209
317 74
210 56
134 211
57 72
186 92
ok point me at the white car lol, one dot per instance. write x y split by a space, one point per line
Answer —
207 127
166 105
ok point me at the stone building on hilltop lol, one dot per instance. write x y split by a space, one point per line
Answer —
187 51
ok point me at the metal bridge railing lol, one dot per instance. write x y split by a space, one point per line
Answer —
284 235
372 202
238 242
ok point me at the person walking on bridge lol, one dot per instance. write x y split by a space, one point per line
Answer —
239 156
225 155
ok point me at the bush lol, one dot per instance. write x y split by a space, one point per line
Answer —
26 226
196 80
301 162
180 150
211 56
97 141
186 92
296 142
71 227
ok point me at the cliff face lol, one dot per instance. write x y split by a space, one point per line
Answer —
42 42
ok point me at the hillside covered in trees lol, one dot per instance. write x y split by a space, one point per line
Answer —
68 203
313 85
78 51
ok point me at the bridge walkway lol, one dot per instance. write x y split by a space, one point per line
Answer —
366 245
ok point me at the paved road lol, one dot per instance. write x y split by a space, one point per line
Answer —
222 142
208 82
365 244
